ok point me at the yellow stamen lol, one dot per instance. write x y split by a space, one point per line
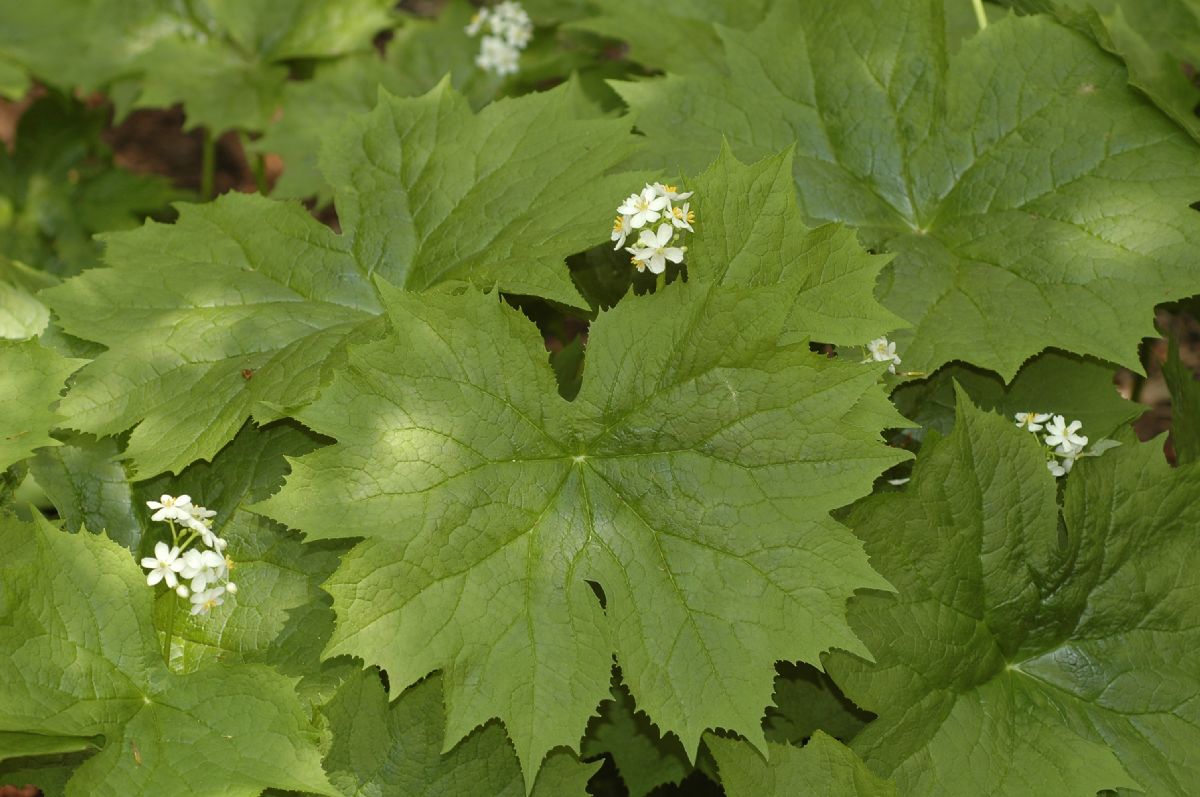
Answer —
638 264
617 225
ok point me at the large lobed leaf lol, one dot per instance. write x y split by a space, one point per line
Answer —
1031 198
1024 655
82 659
419 55
690 480
243 306
381 750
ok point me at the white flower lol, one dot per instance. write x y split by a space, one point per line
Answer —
653 249
511 21
163 565
171 508
201 513
683 217
1059 433
509 31
203 568
202 602
669 192
231 588
182 591
1032 420
477 22
497 55
620 230
1069 454
204 529
644 208
882 350
1057 470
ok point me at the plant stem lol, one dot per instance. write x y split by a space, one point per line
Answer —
662 282
170 629
208 166
980 14
257 164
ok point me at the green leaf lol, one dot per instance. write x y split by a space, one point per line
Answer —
1024 655
90 488
397 749
807 701
14 81
752 234
1078 388
48 773
1185 406
244 306
224 61
82 659
677 34
1031 198
17 745
644 758
822 767
57 189
22 314
1159 41
78 43
241 301
219 86
419 55
691 480
31 378
280 616
500 199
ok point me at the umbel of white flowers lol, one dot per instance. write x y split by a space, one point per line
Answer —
196 554
660 224
509 32
1062 440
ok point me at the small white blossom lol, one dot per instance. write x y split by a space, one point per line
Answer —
204 529
1058 433
209 599
477 22
683 217
1056 469
643 208
495 55
1068 454
182 591
231 588
620 230
669 192
654 251
882 350
1031 420
203 568
163 565
171 508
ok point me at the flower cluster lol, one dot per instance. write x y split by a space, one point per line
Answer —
882 350
509 32
655 204
1063 442
205 566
